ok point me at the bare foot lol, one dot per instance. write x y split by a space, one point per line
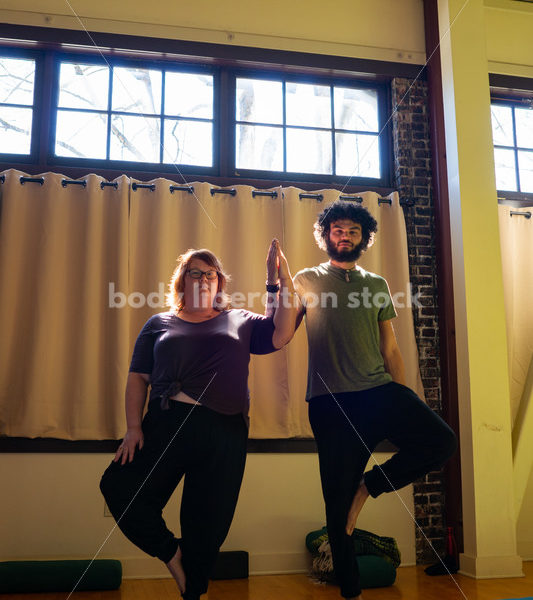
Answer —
357 504
176 569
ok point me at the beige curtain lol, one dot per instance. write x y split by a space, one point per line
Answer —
64 351
516 237
82 269
238 229
388 257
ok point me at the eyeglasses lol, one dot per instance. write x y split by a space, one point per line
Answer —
197 274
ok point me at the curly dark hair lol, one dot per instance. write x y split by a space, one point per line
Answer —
342 209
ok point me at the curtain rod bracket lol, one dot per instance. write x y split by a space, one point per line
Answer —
65 182
39 180
358 199
148 186
271 193
317 197
181 188
517 213
230 192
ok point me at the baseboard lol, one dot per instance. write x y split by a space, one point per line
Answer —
279 564
260 564
490 567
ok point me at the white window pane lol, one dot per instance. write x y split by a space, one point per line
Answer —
308 105
83 86
309 151
137 90
258 147
16 80
15 129
524 127
188 143
525 164
505 169
81 134
135 138
357 155
189 95
259 101
356 109
502 125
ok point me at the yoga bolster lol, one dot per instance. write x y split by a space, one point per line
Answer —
59 575
375 571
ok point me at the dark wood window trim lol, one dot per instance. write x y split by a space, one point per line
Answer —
19 445
51 41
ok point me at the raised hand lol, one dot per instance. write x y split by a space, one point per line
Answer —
277 266
272 262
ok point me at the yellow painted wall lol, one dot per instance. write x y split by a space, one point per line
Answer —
54 509
509 27
509 36
383 29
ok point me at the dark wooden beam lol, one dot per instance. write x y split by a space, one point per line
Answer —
448 360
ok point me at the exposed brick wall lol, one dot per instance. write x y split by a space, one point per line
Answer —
412 174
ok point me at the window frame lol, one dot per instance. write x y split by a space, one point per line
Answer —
384 135
122 166
226 62
38 85
512 91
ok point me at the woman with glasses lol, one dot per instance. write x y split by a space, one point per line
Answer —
195 359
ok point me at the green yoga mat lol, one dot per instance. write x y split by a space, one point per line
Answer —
59 575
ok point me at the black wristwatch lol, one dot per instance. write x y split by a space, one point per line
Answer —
272 287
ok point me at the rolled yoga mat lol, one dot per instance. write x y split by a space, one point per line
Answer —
59 575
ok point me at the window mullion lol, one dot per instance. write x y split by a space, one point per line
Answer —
47 111
515 144
284 121
162 118
109 114
225 138
333 146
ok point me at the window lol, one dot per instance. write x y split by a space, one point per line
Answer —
512 132
118 114
288 126
134 114
17 84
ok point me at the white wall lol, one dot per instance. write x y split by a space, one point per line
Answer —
52 508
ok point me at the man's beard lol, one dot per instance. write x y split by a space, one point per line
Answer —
345 254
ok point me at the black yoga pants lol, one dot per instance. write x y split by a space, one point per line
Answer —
206 447
347 427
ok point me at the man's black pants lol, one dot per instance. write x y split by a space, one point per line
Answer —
345 441
210 450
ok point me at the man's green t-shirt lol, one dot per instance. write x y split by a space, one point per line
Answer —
342 314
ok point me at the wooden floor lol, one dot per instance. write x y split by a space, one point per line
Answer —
411 583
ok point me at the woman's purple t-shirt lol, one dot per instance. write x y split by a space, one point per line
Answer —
208 361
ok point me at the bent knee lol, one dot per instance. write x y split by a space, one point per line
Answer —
448 443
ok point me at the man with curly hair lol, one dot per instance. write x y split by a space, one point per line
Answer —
356 384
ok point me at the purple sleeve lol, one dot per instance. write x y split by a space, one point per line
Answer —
142 360
262 332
